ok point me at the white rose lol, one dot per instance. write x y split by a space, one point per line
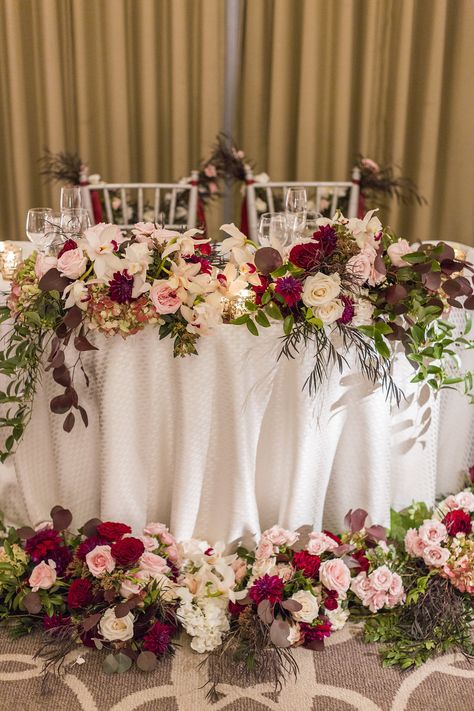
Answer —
328 313
116 628
309 606
363 311
321 289
397 251
337 618
465 500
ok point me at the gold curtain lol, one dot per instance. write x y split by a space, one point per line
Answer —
323 80
135 86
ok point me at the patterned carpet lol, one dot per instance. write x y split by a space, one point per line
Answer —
346 676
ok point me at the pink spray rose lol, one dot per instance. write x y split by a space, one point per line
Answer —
381 578
72 263
335 575
435 556
264 549
319 543
43 576
164 298
99 561
360 266
153 564
280 536
433 532
414 545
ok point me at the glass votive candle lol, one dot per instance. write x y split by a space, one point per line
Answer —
10 259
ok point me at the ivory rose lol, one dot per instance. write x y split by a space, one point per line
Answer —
43 576
309 606
330 312
116 629
72 263
435 556
397 251
337 618
433 532
335 575
99 561
164 298
321 289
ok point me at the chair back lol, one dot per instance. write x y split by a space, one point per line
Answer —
172 204
328 196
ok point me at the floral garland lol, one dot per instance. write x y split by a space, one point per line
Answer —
351 286
130 595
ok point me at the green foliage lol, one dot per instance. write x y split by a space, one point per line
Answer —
411 517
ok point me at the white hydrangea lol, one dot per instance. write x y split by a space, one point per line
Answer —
205 620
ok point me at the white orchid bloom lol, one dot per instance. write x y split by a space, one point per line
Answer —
230 282
366 230
101 239
76 294
237 239
145 231
203 317
185 243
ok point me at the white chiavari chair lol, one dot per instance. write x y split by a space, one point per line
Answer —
145 202
327 191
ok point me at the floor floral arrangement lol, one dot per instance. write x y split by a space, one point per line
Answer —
352 286
130 595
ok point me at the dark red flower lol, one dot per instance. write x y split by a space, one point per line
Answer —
67 246
307 256
53 622
348 313
289 288
361 558
260 289
43 544
128 550
321 630
158 638
205 248
333 536
113 531
471 473
235 609
121 287
79 593
269 587
89 544
457 521
62 557
309 564
331 601
326 237
206 267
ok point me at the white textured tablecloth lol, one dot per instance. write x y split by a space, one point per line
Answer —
227 442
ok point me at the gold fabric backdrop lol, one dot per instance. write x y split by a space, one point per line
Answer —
137 87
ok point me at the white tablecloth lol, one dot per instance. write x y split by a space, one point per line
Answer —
227 442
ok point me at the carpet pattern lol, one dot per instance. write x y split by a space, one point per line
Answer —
346 676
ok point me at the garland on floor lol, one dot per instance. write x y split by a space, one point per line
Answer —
130 595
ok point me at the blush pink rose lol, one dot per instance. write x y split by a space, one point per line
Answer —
99 561
465 500
414 545
381 578
397 251
435 556
280 536
361 586
393 600
264 549
43 264
240 569
375 600
360 265
160 530
43 576
153 564
396 586
433 532
335 575
164 298
72 263
149 542
319 543
129 587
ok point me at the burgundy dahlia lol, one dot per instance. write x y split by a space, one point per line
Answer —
113 531
67 246
348 313
290 289
89 544
121 287
457 521
43 544
79 593
158 638
53 622
362 560
269 587
127 551
307 255
309 564
62 557
235 609
321 630
327 239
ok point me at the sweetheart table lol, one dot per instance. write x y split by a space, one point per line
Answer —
227 443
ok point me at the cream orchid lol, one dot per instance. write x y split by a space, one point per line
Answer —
101 239
365 231
185 244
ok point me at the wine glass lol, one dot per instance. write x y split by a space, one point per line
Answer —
37 225
311 224
295 210
273 229
71 198
74 221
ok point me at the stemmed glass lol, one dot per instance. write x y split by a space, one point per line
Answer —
295 210
74 221
311 224
273 230
37 225
71 198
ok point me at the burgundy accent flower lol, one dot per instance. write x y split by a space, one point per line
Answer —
88 545
235 609
331 602
269 587
53 622
43 544
333 536
307 256
158 638
206 267
128 550
261 289
113 531
289 288
319 631
67 246
79 593
121 287
309 564
205 249
471 473
361 558
62 557
457 521
326 237
348 313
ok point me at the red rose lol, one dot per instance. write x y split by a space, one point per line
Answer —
127 551
321 629
80 593
331 603
309 564
113 531
205 248
67 246
360 557
457 522
307 256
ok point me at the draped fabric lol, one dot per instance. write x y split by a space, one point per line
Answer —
137 87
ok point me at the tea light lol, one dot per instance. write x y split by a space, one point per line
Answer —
10 259
234 306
